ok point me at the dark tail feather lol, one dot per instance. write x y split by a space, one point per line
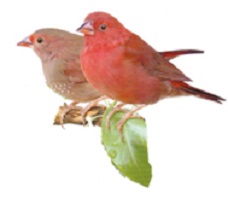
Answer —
173 54
198 92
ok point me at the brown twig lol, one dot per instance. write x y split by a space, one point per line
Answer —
74 115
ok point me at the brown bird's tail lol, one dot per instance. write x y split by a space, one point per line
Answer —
198 92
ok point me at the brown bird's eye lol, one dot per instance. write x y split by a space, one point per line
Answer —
103 26
39 40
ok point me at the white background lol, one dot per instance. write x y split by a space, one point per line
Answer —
187 137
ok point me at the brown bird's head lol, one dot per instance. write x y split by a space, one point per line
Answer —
49 43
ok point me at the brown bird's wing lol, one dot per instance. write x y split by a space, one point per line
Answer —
71 57
154 64
73 70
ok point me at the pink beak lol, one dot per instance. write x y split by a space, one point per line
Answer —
25 42
86 28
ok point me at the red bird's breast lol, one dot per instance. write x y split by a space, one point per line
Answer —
118 78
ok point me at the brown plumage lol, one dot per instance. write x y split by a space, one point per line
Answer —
59 52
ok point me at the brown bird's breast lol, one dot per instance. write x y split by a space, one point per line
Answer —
73 87
81 92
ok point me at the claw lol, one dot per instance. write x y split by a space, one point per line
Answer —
74 115
121 123
127 116
89 106
66 109
62 115
112 112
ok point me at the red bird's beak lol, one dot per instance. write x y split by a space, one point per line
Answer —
86 29
25 42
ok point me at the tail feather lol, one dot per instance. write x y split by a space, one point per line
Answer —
198 92
175 53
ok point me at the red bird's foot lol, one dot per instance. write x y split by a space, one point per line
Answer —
89 106
122 122
112 112
127 116
66 109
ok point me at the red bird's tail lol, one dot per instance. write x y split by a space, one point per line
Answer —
175 53
198 92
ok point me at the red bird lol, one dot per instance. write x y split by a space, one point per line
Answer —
124 67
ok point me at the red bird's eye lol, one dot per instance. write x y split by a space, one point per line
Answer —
103 27
39 40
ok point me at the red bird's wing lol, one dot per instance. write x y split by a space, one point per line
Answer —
154 64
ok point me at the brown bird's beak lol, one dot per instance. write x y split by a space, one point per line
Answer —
86 29
25 42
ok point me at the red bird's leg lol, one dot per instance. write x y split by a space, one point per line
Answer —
90 105
127 116
112 112
66 109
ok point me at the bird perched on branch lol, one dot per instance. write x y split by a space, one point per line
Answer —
59 52
124 67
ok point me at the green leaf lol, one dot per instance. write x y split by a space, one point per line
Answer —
129 155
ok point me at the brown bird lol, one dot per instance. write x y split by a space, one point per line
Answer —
59 52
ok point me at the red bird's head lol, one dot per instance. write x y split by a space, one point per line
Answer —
103 29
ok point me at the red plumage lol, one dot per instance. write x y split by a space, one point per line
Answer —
124 67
